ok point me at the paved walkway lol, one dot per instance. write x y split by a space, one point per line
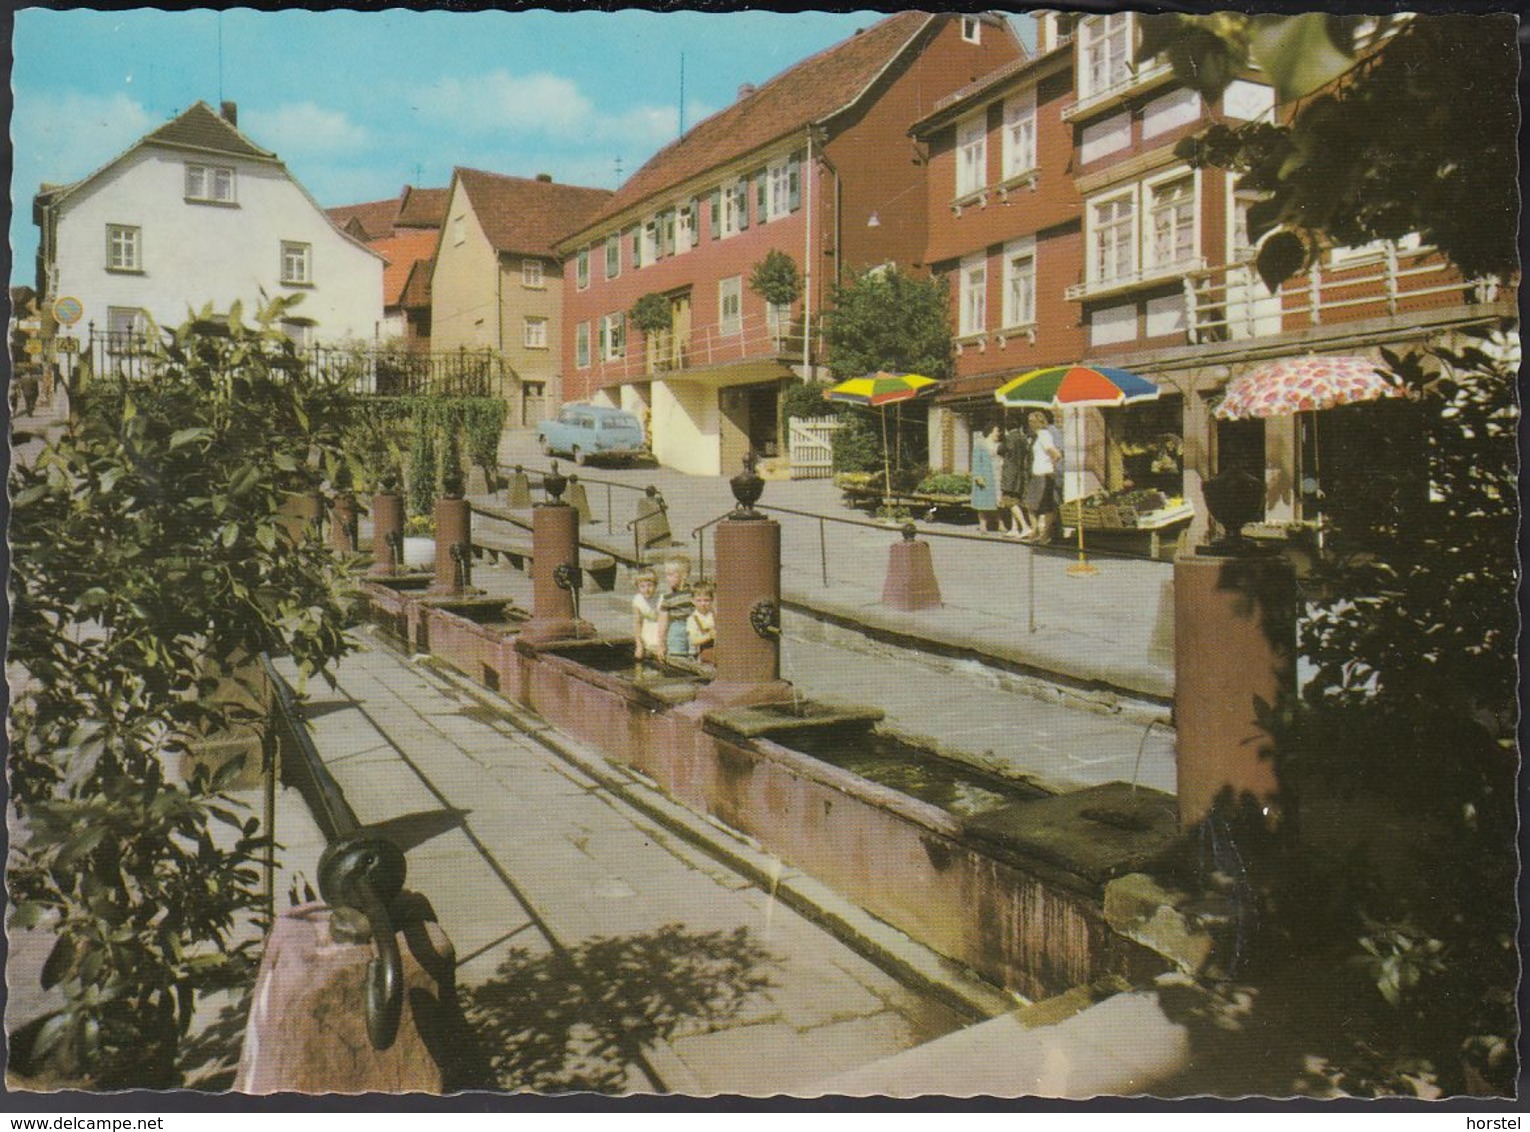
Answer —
953 678
570 903
1002 600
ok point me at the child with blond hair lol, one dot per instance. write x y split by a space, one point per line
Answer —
675 606
701 626
647 635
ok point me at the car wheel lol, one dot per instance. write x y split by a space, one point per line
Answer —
546 447
579 456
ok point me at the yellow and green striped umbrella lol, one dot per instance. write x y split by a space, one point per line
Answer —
881 388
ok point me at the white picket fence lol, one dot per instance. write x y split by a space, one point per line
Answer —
810 443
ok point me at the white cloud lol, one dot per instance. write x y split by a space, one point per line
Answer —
63 137
304 128
499 101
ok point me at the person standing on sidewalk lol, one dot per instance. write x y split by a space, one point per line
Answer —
1015 458
985 478
1040 497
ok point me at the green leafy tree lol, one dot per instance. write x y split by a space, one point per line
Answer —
776 279
151 565
890 320
650 313
1414 134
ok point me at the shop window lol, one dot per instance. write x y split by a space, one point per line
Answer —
1150 446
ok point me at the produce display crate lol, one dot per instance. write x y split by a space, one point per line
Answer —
1099 516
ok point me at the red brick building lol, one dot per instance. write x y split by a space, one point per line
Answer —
1070 231
816 164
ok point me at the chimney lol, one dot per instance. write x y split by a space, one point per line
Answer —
745 90
230 113
545 178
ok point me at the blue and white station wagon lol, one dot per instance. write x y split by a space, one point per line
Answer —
585 431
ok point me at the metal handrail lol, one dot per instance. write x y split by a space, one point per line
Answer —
360 873
607 484
700 535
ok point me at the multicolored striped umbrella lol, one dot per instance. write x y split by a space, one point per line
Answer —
881 388
1078 387
1081 386
1289 386
885 387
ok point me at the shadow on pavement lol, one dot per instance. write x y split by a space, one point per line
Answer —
578 1020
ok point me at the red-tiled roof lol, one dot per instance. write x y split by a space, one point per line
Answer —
422 208
807 92
402 251
202 127
416 291
376 217
523 215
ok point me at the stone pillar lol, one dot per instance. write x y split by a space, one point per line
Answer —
579 500
454 550
307 1031
554 543
342 523
748 608
1234 644
910 583
387 533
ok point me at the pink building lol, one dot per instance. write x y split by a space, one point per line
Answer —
816 164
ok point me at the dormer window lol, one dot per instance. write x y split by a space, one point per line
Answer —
210 184
972 29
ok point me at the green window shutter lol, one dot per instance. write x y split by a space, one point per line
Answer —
716 213
743 205
761 180
794 185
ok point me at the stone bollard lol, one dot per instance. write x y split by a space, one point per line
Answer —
578 500
910 583
387 534
518 489
343 523
554 556
1234 646
454 546
307 1030
748 607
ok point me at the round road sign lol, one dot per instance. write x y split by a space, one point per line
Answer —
68 310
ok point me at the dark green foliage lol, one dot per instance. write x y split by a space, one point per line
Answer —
1418 136
150 566
452 482
946 483
775 278
858 445
381 427
650 313
806 399
424 468
889 320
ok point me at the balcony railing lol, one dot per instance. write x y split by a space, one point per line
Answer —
1230 302
752 338
1129 280
1136 79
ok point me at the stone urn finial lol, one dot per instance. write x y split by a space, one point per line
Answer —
909 532
747 489
553 484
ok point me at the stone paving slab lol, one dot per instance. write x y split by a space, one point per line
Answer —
587 866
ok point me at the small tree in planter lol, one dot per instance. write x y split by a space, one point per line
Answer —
650 313
776 280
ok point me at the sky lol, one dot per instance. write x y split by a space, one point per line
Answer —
358 104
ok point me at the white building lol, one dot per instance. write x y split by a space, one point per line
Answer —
196 213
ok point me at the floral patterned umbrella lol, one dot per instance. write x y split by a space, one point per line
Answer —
1300 385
